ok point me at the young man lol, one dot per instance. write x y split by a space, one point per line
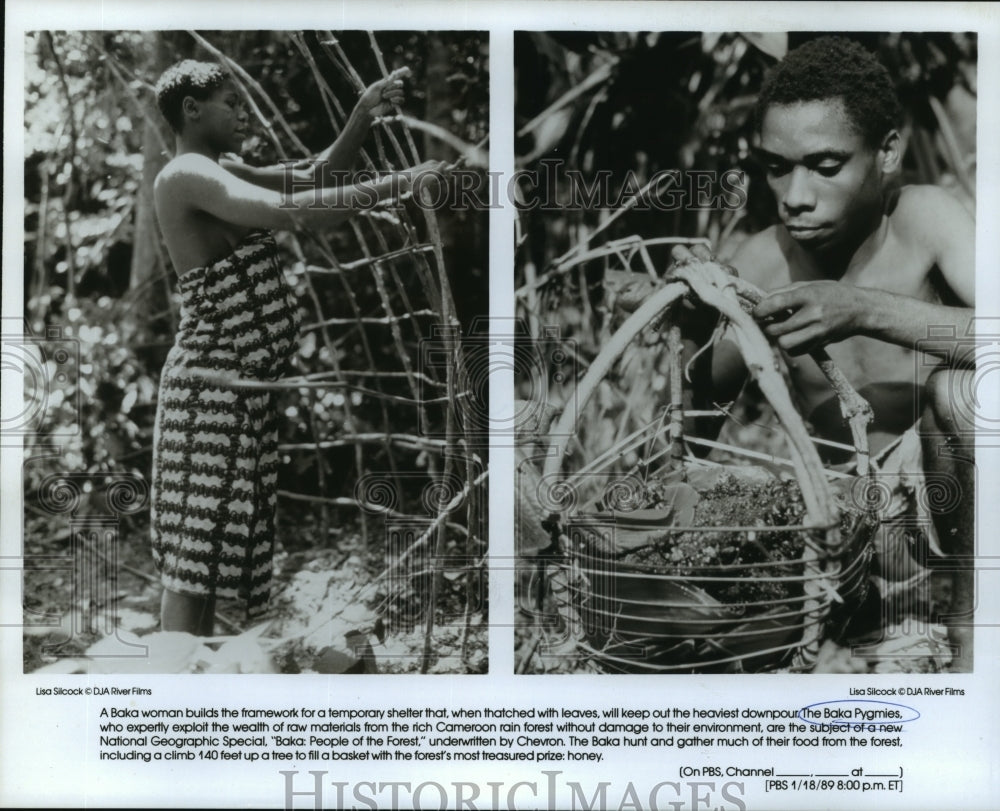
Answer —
866 270
215 448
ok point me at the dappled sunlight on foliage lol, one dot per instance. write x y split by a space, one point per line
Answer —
359 399
628 144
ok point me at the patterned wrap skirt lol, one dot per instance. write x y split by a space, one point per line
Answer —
215 454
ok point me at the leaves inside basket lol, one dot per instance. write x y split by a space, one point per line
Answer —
756 568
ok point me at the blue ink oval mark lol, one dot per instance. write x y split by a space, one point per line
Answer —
835 715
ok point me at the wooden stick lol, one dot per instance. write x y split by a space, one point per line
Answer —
578 398
572 258
244 77
449 339
408 251
408 441
713 286
375 321
597 77
853 407
675 348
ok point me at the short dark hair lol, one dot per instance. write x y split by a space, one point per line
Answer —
186 78
835 68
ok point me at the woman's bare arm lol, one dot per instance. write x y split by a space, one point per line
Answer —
196 183
329 167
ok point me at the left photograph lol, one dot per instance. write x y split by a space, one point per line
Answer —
255 304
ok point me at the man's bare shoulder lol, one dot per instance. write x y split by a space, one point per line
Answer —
935 221
927 214
761 259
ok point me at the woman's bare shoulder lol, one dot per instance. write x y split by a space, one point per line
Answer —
182 168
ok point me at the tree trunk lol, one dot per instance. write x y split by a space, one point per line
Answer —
150 270
463 233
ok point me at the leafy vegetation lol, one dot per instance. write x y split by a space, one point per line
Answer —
361 400
599 116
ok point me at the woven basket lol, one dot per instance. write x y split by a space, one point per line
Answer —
661 617
745 605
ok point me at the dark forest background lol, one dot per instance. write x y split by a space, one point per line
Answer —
597 116
97 279
628 105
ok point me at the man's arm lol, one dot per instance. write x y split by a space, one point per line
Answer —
826 311
329 167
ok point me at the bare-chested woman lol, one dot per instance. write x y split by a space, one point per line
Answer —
215 449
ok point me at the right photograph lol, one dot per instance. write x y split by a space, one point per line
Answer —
745 355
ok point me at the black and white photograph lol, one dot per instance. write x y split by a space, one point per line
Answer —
241 252
493 405
746 268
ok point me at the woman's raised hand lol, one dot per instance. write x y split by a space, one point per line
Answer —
426 175
380 97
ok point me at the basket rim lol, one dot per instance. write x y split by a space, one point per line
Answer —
715 287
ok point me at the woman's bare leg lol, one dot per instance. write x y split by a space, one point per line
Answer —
191 613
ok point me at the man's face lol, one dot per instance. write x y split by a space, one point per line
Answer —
827 180
224 118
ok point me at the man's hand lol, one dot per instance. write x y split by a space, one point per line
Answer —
696 320
380 97
809 315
